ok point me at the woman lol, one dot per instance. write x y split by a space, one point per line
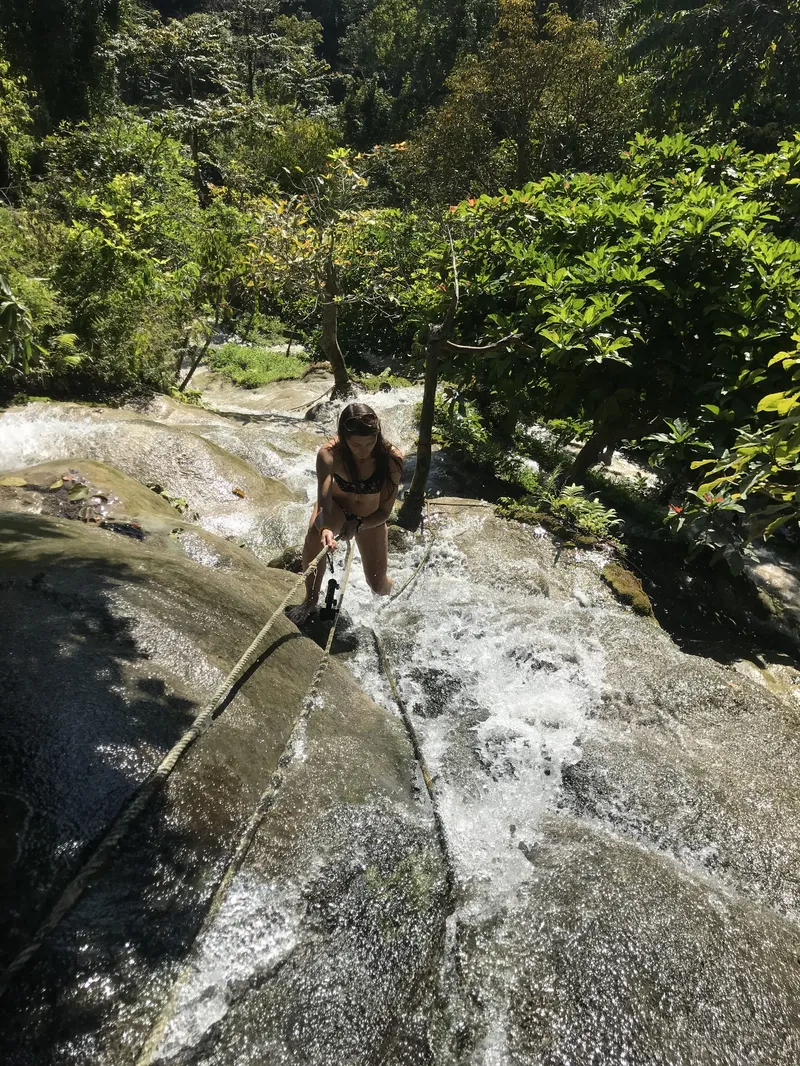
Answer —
358 474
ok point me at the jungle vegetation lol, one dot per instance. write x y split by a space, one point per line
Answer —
580 216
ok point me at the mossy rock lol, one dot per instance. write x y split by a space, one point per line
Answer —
586 541
627 588
400 540
291 559
553 525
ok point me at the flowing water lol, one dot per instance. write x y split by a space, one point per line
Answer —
623 818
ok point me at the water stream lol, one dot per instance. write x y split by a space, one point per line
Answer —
623 817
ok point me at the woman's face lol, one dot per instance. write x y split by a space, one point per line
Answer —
361 447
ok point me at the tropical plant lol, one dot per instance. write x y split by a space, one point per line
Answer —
753 488
16 330
624 299
304 243
183 76
16 122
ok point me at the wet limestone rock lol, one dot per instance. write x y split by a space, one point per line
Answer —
608 973
777 584
688 756
66 489
229 495
290 559
109 647
97 494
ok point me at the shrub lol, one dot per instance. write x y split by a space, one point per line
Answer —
634 297
257 366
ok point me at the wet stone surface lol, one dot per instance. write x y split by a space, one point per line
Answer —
622 817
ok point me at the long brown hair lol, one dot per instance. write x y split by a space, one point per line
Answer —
363 422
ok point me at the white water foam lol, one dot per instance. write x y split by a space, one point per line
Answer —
255 929
500 690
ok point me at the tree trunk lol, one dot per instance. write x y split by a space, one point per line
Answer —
524 153
410 513
195 364
589 454
199 357
330 332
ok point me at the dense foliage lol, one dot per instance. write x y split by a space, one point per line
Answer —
628 251
657 303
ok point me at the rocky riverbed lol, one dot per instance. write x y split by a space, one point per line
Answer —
621 816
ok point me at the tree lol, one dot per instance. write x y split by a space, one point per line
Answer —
733 66
251 23
303 241
541 95
635 297
220 282
16 121
183 75
57 44
438 342
119 238
276 53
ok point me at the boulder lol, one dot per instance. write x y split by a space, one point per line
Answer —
689 756
97 494
611 953
110 646
229 495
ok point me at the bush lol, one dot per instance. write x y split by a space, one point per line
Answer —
113 228
253 367
538 493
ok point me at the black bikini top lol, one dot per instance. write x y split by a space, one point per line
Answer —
368 487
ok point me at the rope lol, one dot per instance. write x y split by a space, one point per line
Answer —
260 811
412 734
426 777
402 589
74 890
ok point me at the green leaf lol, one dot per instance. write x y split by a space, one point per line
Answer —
780 402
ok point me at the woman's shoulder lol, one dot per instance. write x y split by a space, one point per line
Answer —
327 453
395 453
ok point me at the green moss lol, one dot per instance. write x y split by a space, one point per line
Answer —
191 397
583 540
253 367
627 588
519 512
374 382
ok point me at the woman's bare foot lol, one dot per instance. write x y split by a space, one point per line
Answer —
301 613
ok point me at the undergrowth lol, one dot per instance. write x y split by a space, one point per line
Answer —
538 495
253 367
377 382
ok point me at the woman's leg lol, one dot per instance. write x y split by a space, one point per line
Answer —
311 549
374 547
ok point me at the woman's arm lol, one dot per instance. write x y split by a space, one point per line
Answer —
325 488
379 516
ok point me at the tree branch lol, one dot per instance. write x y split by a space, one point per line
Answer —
483 347
450 314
